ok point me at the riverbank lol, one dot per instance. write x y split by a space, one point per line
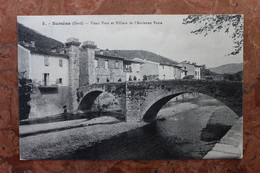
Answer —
189 128
231 145
54 145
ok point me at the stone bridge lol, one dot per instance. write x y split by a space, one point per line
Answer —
141 101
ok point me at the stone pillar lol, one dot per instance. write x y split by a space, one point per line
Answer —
87 64
72 49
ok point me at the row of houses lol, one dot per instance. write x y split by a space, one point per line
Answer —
50 68
58 73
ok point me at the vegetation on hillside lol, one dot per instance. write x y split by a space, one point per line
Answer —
131 54
234 77
27 35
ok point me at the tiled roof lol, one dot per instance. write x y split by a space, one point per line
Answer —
44 52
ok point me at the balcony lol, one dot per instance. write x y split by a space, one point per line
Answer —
48 84
128 69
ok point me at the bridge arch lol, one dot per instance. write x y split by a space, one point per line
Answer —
152 109
88 99
150 112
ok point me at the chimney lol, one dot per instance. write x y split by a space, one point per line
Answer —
72 41
89 44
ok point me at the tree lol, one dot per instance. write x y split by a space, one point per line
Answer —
230 24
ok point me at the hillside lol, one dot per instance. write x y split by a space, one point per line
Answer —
206 73
131 54
233 77
27 35
227 68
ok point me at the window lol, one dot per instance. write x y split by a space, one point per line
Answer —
46 60
106 64
96 63
60 80
97 79
60 63
116 64
195 73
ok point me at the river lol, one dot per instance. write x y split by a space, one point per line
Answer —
187 127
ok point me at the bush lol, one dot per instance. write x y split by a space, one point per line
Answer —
25 89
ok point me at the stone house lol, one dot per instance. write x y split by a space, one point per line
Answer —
179 72
166 71
44 68
193 70
99 66
150 69
49 73
197 72
132 69
109 68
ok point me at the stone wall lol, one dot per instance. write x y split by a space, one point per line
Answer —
47 102
112 73
83 70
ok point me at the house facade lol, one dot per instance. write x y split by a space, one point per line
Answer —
146 71
49 73
132 70
109 68
45 69
192 70
197 72
166 71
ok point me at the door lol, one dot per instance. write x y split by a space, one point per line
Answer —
45 78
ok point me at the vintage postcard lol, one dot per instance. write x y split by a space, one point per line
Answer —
122 87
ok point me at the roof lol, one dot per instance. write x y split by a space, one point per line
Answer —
177 66
167 63
44 52
145 60
107 54
111 54
133 60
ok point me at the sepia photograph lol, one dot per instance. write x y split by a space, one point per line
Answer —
130 87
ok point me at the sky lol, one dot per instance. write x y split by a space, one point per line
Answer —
164 35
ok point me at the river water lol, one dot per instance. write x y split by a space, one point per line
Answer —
186 128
